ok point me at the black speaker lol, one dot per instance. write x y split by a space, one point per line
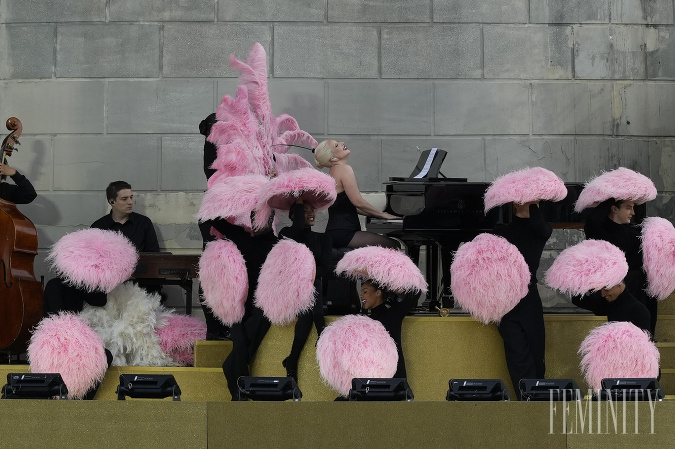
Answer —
477 390
155 386
630 389
34 386
550 390
380 389
268 388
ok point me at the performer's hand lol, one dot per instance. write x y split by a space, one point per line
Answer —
7 170
390 216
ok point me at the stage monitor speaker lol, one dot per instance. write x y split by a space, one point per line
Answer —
550 390
380 389
152 386
268 388
477 390
630 389
34 386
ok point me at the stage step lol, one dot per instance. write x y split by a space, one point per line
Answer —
211 354
665 328
667 351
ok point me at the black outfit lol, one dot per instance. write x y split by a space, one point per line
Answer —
522 328
61 297
21 192
624 308
210 150
343 221
138 228
320 245
627 238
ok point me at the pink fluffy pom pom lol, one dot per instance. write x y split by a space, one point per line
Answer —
224 280
523 186
389 268
177 337
232 198
620 184
587 266
286 282
355 346
616 350
658 249
65 344
94 259
309 184
489 277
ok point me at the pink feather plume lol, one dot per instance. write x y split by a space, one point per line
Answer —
177 337
620 184
523 186
233 198
658 250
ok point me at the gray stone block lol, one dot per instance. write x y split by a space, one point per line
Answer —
661 54
52 107
379 107
662 164
485 11
162 10
378 11
28 51
609 52
481 108
644 109
90 163
438 52
640 11
167 106
663 206
182 164
528 52
572 108
564 238
569 11
595 155
168 208
365 158
503 155
273 11
465 158
52 11
34 160
204 49
52 211
331 51
107 50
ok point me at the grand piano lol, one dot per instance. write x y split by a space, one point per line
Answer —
440 213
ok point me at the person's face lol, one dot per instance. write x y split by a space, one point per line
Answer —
370 297
624 213
338 149
610 294
124 203
310 215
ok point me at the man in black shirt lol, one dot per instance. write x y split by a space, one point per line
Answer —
21 192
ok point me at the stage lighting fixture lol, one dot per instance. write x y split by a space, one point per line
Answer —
34 386
630 389
155 386
477 390
550 389
380 389
268 388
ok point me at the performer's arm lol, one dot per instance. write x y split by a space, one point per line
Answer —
21 193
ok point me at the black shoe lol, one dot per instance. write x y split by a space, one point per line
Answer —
291 368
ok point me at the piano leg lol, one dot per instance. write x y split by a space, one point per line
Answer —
432 275
187 286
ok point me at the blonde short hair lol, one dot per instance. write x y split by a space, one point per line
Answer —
322 155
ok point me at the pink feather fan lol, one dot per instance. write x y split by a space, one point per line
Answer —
389 268
489 277
355 346
286 282
177 337
523 186
616 350
224 280
658 250
587 266
65 344
93 259
233 198
620 184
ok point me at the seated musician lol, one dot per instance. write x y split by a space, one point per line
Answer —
21 192
344 226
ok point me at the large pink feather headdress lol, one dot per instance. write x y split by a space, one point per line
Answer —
523 186
658 251
620 184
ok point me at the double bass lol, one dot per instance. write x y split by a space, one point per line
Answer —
20 292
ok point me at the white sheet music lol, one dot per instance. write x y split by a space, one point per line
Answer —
427 164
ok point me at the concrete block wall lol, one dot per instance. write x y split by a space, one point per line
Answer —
115 89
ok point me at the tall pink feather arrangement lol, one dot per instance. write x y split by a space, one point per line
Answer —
658 250
523 186
178 335
65 344
233 198
587 266
620 184
615 350
93 259
489 277
355 346
286 282
224 280
388 267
